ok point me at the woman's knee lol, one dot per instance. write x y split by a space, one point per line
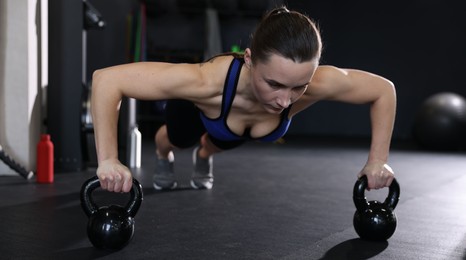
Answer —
207 143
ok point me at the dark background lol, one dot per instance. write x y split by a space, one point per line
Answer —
419 45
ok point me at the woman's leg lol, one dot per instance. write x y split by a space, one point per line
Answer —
164 177
207 148
163 145
203 177
183 129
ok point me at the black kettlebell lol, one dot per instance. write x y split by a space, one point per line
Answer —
110 227
373 220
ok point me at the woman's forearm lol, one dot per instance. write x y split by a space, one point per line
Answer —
383 112
105 103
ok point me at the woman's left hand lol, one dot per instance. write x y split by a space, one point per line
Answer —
379 175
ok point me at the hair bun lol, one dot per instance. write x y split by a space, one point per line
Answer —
279 10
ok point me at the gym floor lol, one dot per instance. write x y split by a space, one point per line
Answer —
269 201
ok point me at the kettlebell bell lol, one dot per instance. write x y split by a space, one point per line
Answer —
373 220
110 227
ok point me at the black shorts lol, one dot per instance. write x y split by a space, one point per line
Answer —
185 127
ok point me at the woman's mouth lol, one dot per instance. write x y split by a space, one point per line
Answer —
275 109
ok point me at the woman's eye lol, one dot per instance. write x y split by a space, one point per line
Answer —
300 88
275 85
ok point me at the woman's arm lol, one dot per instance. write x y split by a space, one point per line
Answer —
145 80
360 87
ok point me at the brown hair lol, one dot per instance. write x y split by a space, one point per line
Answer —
287 33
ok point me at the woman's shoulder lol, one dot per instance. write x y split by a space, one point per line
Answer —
324 71
320 85
216 68
324 75
224 58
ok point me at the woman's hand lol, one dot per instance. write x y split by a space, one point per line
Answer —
379 175
114 176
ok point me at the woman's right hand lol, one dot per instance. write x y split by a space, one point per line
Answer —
114 176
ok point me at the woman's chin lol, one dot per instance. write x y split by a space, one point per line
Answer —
273 110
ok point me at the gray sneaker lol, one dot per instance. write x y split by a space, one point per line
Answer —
202 177
164 177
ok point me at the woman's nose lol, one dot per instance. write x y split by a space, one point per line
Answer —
284 98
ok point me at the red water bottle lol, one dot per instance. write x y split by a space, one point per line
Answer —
45 160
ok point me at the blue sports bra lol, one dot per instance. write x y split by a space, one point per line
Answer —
218 127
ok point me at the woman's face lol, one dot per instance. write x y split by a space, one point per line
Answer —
280 81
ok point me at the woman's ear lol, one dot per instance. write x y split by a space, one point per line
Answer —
247 57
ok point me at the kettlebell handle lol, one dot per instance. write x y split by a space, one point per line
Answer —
90 207
360 200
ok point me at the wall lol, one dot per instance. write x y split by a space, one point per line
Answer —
21 82
108 46
419 45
